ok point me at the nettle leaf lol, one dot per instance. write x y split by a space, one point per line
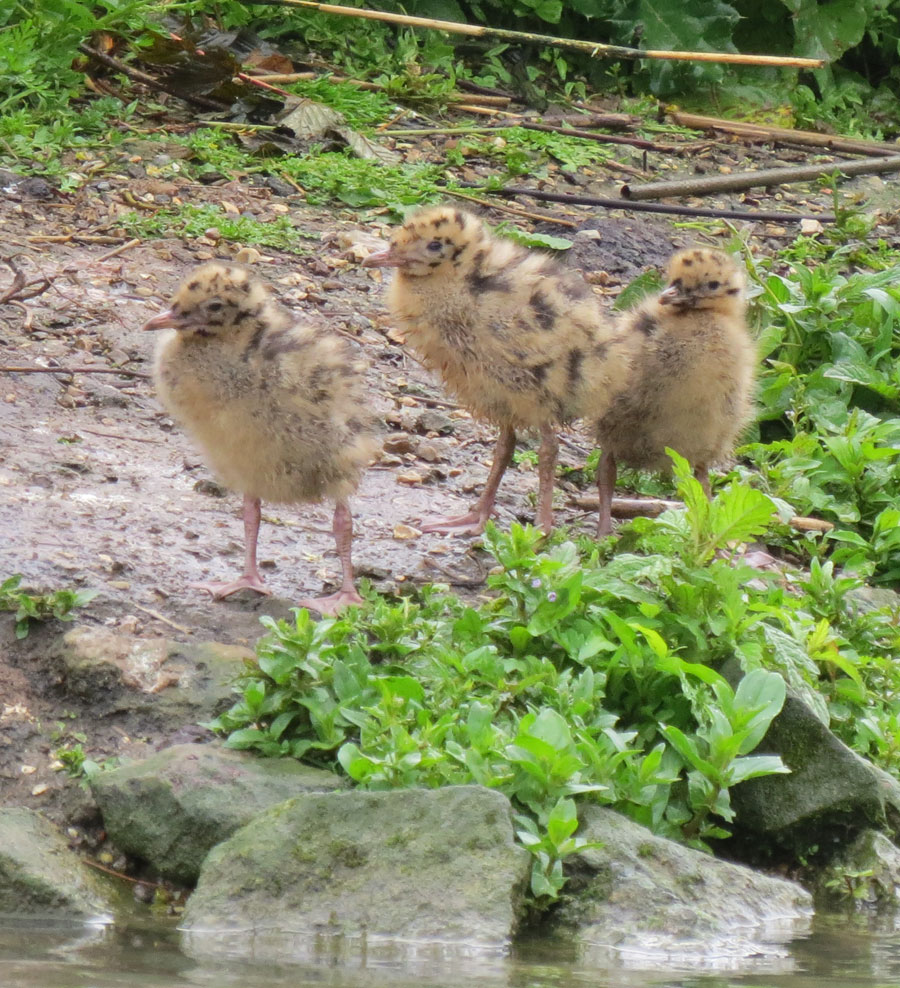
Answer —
683 25
827 30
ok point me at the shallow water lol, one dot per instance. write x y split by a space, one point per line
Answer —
839 952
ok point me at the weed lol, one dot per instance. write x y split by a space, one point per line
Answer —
195 221
39 607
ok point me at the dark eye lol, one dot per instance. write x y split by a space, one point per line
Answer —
435 246
214 306
714 285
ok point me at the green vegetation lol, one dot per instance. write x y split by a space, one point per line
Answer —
580 680
39 607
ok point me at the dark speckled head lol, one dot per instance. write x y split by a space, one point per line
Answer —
432 241
699 278
213 300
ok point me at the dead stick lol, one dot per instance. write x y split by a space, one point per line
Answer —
748 180
18 282
73 370
118 250
594 49
66 238
540 217
130 439
767 132
633 507
163 618
589 135
651 207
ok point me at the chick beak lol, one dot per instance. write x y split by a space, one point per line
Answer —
165 320
389 258
670 296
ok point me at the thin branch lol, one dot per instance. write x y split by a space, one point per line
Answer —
704 185
650 207
782 134
539 217
74 370
594 49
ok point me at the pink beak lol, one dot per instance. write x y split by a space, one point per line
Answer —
165 320
383 259
670 295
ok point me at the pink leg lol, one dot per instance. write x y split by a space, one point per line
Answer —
606 486
546 478
342 527
250 578
473 522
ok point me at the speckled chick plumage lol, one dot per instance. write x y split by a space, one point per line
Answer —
694 361
519 339
277 406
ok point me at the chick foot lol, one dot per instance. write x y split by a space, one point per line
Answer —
219 591
469 524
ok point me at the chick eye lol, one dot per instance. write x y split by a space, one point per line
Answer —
435 246
713 285
214 306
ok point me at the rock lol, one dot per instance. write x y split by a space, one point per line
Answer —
865 872
669 902
172 808
431 452
40 874
398 443
371 867
431 420
169 681
405 532
830 794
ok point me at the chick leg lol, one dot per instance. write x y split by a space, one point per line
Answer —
546 477
250 578
606 487
342 526
473 522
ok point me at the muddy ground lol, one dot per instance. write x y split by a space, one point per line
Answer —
98 488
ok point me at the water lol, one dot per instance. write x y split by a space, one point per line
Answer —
839 952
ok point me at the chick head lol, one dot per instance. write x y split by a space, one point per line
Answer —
432 241
699 278
215 299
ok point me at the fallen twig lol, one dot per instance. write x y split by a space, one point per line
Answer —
539 217
704 185
67 238
74 370
21 289
782 134
163 618
651 207
590 135
635 507
118 250
116 435
594 49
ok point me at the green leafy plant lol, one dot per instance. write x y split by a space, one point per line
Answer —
39 607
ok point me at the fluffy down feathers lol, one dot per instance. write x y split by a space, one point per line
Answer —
276 406
519 339
694 362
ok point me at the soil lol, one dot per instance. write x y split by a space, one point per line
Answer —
99 489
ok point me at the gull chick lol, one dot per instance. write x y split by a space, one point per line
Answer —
276 406
692 380
521 341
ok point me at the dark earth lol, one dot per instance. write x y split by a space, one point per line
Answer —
99 490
